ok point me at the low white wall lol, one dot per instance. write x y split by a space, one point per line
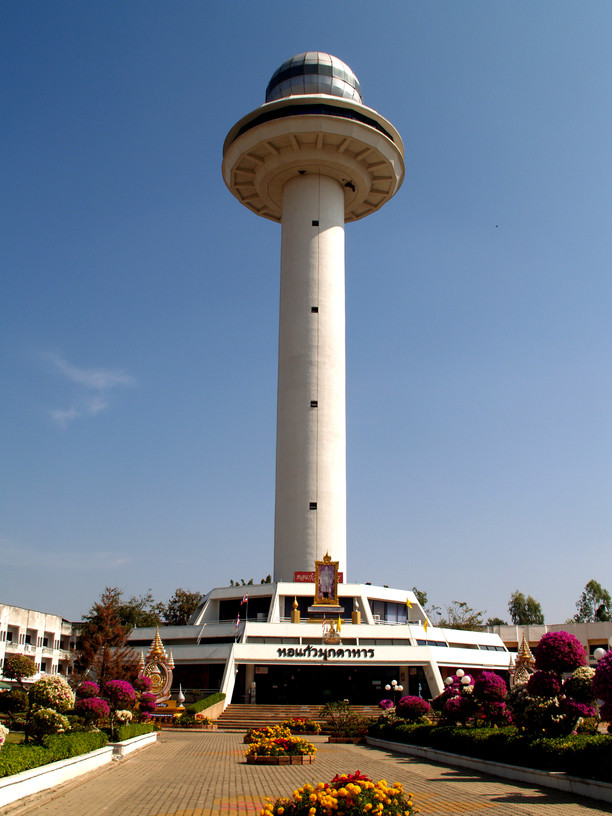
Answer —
48 776
213 712
589 788
127 746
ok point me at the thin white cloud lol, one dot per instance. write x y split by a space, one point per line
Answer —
98 379
94 385
19 555
96 404
63 418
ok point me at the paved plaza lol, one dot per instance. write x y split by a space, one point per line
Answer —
204 774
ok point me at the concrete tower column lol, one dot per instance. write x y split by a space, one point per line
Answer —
310 517
312 158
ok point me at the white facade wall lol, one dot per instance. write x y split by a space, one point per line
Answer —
43 637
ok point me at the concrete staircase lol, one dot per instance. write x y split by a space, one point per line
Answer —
238 717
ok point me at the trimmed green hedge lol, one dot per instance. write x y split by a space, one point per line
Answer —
205 703
585 755
17 758
126 732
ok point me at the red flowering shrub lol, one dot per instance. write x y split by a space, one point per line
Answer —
87 689
543 684
602 682
412 708
385 704
458 709
120 694
560 652
575 710
147 702
142 683
490 687
92 709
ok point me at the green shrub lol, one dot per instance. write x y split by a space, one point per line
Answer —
17 758
205 703
126 732
585 755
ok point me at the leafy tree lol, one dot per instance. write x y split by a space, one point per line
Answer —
19 668
102 649
141 610
181 606
420 596
461 616
496 622
266 580
524 611
594 604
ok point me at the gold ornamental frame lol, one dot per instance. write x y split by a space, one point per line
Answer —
326 582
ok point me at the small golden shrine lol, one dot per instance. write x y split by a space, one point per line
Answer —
524 664
331 633
157 666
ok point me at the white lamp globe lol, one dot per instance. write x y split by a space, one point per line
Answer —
448 681
599 653
460 672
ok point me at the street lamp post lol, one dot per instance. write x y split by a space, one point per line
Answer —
395 689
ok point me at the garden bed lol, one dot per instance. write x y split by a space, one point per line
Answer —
280 760
577 786
19 785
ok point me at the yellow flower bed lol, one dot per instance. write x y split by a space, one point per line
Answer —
345 795
280 746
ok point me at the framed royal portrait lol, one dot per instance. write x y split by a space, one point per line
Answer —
326 582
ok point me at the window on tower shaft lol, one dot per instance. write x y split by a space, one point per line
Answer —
313 506
314 309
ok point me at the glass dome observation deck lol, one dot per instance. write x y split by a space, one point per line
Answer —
314 72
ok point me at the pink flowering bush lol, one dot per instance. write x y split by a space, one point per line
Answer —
543 684
147 703
120 694
92 709
142 683
490 687
560 652
602 681
546 705
458 710
386 704
412 709
87 689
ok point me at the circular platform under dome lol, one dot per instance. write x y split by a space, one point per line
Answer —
313 72
313 121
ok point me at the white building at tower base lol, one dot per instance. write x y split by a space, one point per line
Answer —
252 651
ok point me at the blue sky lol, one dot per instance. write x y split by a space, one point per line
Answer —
139 303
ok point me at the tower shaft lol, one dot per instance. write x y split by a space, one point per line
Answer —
310 513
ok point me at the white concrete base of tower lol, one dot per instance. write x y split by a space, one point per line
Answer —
230 644
310 516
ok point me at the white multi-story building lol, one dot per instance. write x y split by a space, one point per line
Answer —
45 638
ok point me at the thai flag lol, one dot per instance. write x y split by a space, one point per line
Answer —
237 619
244 600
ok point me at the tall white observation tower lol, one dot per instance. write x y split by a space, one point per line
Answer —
312 158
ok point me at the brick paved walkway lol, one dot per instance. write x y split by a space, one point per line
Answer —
189 774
